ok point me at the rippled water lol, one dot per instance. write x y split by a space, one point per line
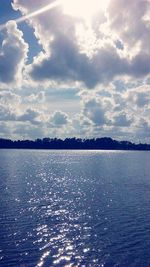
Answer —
74 208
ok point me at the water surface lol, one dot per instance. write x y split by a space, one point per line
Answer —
74 208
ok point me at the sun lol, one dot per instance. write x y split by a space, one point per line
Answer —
85 9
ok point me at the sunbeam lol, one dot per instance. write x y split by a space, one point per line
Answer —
34 13
76 8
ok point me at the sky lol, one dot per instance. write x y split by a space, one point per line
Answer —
75 68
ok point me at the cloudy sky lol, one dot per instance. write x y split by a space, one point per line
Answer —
75 68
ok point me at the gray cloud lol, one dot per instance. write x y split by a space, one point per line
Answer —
116 47
13 54
94 111
6 114
27 131
9 112
58 119
122 120
63 60
9 98
30 115
5 130
128 20
66 63
139 97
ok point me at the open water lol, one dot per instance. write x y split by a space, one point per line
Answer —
74 208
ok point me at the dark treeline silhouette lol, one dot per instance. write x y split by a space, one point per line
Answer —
73 143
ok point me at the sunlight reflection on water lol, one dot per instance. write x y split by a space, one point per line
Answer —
74 208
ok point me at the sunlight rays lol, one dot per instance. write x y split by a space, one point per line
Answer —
34 13
75 8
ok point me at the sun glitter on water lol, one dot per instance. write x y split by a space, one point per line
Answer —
84 8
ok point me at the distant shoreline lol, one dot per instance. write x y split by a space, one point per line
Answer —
74 149
105 143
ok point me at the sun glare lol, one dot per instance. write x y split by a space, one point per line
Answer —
84 8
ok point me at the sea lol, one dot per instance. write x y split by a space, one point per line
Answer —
74 208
